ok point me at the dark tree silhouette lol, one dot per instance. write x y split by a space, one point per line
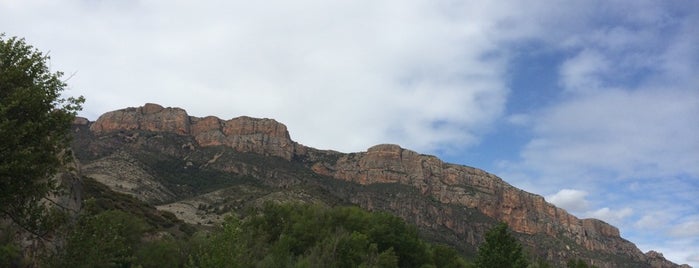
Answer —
501 250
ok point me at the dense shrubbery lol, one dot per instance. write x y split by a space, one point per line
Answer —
287 235
274 235
578 263
103 240
117 230
293 235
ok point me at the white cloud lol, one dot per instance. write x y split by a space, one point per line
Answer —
343 75
688 228
653 221
613 216
519 119
629 106
570 199
647 133
629 99
693 258
582 72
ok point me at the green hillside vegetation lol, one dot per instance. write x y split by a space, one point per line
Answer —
117 230
298 235
99 198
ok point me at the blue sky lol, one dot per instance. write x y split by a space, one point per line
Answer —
591 104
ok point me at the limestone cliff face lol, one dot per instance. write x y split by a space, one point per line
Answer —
656 259
439 197
244 134
151 117
524 212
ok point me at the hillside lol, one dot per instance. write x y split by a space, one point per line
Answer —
201 168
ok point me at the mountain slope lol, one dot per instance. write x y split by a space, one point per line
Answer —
200 168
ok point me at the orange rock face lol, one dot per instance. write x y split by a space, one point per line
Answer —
151 117
244 134
474 188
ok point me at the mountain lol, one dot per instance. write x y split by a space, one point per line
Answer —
201 168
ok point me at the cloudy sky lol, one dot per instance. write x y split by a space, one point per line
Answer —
592 104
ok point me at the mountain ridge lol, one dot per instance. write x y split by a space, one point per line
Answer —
438 198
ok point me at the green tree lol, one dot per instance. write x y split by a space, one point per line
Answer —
500 250
107 239
223 248
446 257
34 125
302 235
578 263
165 252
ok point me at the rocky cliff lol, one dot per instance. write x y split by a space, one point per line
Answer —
524 212
244 134
452 203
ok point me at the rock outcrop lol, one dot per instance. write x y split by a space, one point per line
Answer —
469 187
439 197
656 259
244 134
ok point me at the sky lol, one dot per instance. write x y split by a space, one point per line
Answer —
591 104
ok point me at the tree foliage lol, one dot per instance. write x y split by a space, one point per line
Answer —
578 263
34 125
274 235
10 253
295 235
501 250
108 239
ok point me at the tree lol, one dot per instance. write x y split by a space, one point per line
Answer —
446 257
500 250
108 239
578 263
34 125
223 248
164 252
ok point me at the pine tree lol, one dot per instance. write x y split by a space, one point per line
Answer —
500 250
